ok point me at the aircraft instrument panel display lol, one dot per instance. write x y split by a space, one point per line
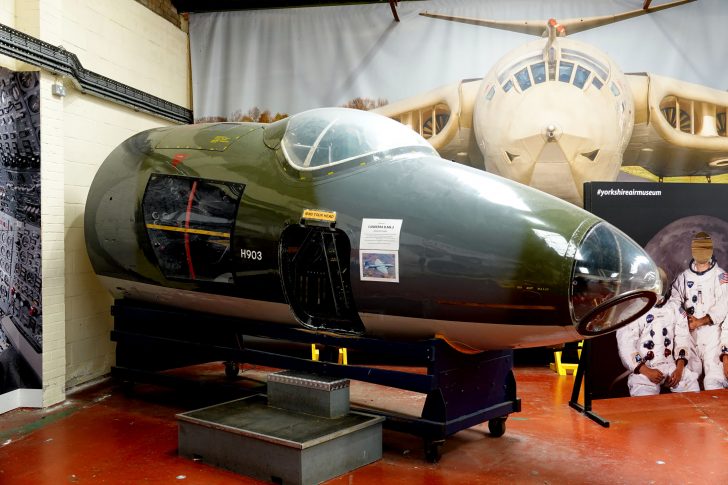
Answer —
20 246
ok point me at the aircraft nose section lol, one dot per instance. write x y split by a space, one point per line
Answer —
613 281
552 170
552 132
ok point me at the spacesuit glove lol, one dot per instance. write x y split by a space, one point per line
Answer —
654 375
694 323
674 378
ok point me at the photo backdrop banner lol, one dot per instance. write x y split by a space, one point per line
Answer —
21 316
283 61
662 218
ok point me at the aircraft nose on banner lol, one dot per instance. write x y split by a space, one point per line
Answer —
557 155
559 125
552 132
559 137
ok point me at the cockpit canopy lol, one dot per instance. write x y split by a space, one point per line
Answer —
332 139
574 67
613 281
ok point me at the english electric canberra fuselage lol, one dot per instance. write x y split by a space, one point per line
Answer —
346 221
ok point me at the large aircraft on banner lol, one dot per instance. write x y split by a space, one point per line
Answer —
555 113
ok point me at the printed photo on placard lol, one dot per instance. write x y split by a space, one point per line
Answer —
382 266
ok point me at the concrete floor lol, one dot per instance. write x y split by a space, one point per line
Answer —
103 434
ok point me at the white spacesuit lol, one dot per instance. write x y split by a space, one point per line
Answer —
702 291
654 341
724 347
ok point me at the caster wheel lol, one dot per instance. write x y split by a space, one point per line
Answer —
127 387
497 427
232 369
432 450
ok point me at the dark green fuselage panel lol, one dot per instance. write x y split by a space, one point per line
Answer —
473 247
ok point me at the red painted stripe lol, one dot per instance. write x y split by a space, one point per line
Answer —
187 226
178 159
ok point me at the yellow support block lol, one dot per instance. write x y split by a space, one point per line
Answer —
343 357
561 368
316 355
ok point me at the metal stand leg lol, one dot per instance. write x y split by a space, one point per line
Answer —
583 374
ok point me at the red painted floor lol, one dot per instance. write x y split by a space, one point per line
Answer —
104 435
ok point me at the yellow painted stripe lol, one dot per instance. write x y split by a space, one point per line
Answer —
188 231
691 179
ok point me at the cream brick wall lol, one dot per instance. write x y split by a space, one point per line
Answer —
92 129
52 244
7 12
127 42
41 18
7 17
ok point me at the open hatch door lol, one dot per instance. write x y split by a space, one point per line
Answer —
316 277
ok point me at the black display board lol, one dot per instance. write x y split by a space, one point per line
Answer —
662 218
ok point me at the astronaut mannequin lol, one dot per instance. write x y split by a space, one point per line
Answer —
702 293
656 348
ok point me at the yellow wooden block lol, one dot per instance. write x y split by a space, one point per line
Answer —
343 357
561 368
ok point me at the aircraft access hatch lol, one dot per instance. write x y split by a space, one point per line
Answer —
316 278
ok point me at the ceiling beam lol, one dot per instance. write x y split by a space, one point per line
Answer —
198 6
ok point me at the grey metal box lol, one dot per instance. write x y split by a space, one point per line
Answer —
308 393
248 437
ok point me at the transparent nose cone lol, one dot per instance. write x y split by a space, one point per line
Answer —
613 282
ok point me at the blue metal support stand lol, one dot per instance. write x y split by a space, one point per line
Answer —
462 390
